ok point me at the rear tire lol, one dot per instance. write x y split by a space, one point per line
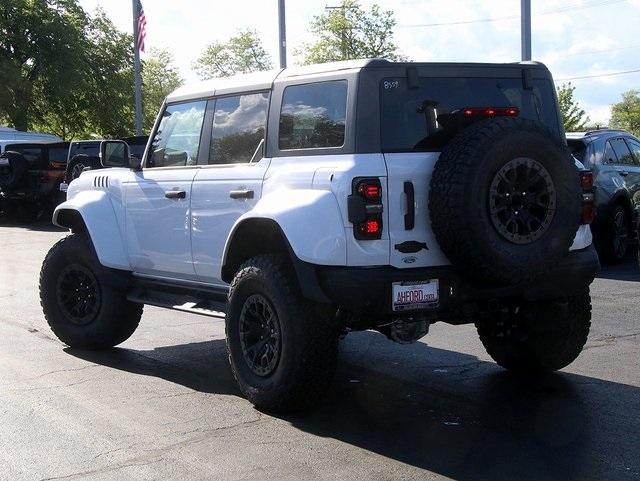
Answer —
81 300
282 348
616 236
542 337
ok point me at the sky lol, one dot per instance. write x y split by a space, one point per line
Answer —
574 38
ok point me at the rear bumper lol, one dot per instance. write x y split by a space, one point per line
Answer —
369 289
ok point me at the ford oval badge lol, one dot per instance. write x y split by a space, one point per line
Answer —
409 259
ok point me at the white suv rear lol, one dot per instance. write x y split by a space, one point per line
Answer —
305 203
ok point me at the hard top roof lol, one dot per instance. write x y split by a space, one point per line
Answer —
264 80
590 135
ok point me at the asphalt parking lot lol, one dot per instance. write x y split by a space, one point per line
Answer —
163 405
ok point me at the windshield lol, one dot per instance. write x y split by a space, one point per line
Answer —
427 117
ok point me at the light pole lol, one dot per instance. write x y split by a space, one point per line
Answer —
283 35
525 28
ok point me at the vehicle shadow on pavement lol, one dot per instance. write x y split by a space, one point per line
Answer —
43 225
629 270
439 410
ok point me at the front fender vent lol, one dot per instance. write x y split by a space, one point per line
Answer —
101 181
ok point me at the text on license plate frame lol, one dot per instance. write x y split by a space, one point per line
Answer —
414 295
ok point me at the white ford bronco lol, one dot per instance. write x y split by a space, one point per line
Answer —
305 203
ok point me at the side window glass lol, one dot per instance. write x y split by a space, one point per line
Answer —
635 149
177 139
313 115
622 151
610 156
239 124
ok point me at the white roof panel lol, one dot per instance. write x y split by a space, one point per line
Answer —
224 85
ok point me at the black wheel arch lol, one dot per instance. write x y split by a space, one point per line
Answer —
259 236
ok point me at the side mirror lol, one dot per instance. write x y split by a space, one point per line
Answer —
114 153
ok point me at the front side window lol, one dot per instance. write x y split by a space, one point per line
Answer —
313 116
239 124
622 151
635 149
177 138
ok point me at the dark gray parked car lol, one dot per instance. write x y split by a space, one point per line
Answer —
614 158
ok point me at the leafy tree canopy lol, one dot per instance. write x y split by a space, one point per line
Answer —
349 32
160 77
626 114
242 53
573 117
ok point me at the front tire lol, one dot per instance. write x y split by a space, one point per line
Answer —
81 299
540 337
282 348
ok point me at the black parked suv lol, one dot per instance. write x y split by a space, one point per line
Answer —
30 176
614 158
85 154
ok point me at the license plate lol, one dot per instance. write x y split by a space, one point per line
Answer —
4 161
414 295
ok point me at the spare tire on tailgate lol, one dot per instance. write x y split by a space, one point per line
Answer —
78 164
505 201
14 171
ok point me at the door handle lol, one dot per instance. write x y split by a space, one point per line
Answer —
175 194
241 194
623 173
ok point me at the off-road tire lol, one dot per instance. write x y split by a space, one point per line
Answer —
116 318
86 160
611 235
19 167
543 336
308 333
459 201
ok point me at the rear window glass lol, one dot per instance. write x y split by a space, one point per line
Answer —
91 149
578 149
31 153
137 150
313 115
427 117
58 154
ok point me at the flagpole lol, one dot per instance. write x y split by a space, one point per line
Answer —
136 69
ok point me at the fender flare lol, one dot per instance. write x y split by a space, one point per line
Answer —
310 221
98 215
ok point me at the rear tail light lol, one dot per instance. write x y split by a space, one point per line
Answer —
588 213
370 190
491 111
586 180
365 208
371 227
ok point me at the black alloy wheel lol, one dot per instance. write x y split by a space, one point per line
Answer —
77 170
78 294
619 239
260 336
522 200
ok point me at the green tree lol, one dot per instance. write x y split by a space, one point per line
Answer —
349 32
159 78
41 49
242 53
109 79
573 117
626 114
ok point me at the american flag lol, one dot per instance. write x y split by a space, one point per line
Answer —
142 27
